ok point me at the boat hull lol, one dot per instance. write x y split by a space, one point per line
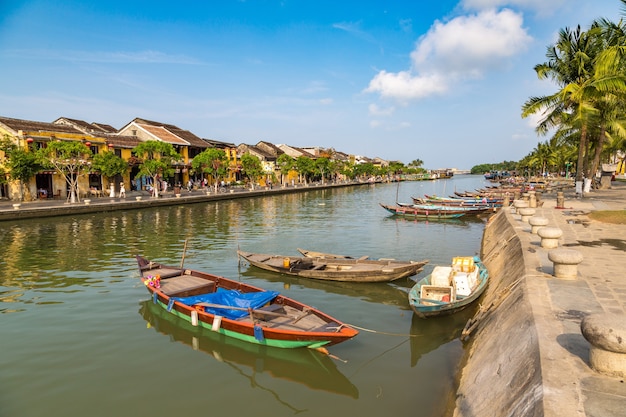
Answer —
434 213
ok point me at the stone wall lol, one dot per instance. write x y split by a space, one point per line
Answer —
502 373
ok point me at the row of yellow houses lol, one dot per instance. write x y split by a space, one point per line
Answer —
101 137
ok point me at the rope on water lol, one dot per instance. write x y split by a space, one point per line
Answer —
379 332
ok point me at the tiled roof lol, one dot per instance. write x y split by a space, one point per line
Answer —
243 148
190 138
32 126
123 141
218 144
163 134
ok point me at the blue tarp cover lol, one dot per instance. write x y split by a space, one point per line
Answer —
232 298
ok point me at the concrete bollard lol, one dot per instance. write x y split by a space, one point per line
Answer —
560 200
550 237
16 206
565 262
518 204
536 222
532 199
607 335
526 213
87 201
138 198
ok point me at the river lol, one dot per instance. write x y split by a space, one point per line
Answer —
79 337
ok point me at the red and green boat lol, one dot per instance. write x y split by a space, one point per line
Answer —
240 310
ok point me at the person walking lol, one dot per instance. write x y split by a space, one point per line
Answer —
122 190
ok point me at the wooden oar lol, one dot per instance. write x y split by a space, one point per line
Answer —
182 260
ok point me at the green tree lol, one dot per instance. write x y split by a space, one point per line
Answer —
20 164
285 164
157 158
70 159
305 167
212 161
322 166
251 167
109 165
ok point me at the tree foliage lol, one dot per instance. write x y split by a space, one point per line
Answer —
70 159
109 165
251 167
212 161
157 158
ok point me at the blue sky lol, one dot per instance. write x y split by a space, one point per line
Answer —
441 81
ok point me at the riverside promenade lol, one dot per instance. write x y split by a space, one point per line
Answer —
571 386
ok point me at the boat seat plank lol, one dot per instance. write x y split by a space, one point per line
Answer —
162 272
183 283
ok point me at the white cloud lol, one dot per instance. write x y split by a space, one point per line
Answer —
465 47
405 86
375 110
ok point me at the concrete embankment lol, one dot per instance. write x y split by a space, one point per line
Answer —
502 374
527 355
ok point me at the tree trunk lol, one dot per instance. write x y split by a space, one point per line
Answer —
596 157
581 154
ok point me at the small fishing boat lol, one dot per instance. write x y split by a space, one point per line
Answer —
487 203
449 289
240 310
432 212
332 269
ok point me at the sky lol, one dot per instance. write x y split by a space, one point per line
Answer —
438 81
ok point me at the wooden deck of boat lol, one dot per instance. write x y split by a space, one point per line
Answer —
293 319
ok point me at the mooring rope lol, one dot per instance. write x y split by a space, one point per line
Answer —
379 332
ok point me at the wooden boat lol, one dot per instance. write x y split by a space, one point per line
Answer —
352 270
488 203
240 310
432 212
449 289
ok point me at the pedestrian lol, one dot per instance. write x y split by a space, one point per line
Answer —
122 190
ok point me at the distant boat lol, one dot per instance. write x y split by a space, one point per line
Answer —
449 289
240 310
424 211
333 269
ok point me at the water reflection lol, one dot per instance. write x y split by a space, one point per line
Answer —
303 366
429 334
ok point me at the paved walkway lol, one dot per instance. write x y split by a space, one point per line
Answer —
571 387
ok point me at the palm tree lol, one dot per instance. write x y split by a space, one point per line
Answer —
570 65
